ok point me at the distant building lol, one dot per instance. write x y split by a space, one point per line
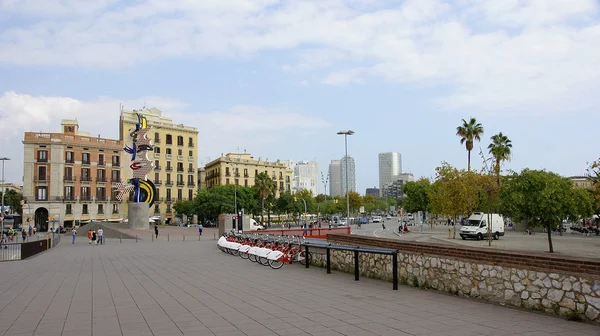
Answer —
69 177
390 168
373 192
582 181
306 177
394 189
242 168
335 185
201 178
12 186
351 171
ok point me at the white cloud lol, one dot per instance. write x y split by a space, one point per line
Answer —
491 54
253 127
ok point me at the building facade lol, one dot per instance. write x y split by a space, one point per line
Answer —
242 168
390 167
306 177
335 184
373 192
394 189
582 181
69 178
348 166
175 158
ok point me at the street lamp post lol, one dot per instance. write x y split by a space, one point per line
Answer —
325 180
3 192
345 134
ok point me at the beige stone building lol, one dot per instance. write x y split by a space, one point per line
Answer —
582 181
201 178
68 177
241 169
175 158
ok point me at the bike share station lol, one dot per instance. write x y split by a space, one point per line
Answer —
276 251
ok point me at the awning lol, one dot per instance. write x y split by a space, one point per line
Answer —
114 220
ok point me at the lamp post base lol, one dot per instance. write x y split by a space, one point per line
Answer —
138 216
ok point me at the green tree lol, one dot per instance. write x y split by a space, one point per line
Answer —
355 201
501 150
13 200
264 186
542 198
594 175
320 198
186 207
417 196
468 133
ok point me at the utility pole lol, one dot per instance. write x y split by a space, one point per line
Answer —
3 192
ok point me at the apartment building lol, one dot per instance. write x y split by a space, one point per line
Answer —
241 169
68 177
175 158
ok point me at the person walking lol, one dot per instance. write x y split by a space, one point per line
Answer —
156 231
89 236
94 237
24 235
74 234
100 236
200 229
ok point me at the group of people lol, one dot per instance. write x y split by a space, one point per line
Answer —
94 237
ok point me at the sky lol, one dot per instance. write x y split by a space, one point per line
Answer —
280 78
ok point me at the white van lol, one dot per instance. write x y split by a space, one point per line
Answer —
254 226
476 226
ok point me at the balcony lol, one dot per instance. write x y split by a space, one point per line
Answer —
86 179
157 155
281 178
41 179
159 182
169 169
69 211
180 144
191 158
69 161
68 198
157 168
246 175
227 174
86 162
116 164
41 199
101 163
191 170
114 199
179 157
180 170
115 180
168 156
156 210
168 199
191 144
101 199
100 211
101 179
115 211
169 183
42 160
156 140
180 183
191 184
69 179
85 198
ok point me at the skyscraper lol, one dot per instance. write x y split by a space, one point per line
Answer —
335 186
390 168
351 174
306 176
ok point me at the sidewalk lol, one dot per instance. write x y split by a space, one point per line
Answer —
192 288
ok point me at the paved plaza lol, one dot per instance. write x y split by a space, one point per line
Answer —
192 288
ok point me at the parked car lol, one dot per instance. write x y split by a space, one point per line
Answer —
376 219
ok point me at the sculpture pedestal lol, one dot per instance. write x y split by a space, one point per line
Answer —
138 216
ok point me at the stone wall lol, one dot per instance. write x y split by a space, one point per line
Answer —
564 286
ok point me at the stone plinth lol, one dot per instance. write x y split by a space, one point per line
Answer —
138 215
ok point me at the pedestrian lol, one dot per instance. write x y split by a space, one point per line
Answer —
156 231
74 233
30 230
94 237
24 235
100 236
200 229
89 236
383 225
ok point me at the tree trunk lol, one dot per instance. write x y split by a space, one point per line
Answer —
262 211
549 230
468 160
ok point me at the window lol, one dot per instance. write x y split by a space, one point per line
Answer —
179 152
100 209
168 194
113 193
115 208
85 210
191 179
190 168
42 156
42 193
41 173
245 172
190 142
68 173
156 138
169 208
85 158
179 140
101 159
245 182
227 181
85 174
169 166
101 193
179 166
190 194
156 164
69 209
156 208
116 161
115 176
69 157
169 139
280 185
179 179
85 193
157 150
255 172
69 193
168 178
190 153
169 151
156 177
237 182
101 175
179 194
226 171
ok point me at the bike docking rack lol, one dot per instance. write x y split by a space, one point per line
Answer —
265 250
356 249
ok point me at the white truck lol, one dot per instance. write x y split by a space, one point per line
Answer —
476 226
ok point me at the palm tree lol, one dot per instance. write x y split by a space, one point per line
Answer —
500 148
264 187
468 133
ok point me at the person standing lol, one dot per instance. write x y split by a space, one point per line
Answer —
74 233
100 236
89 236
200 229
156 231
30 230
23 234
94 237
